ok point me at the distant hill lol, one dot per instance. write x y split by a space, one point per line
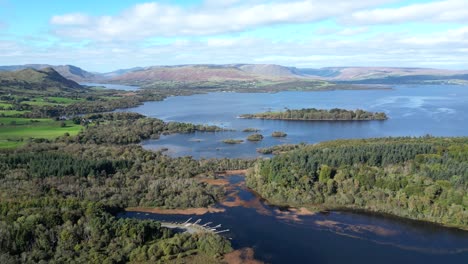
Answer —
186 73
205 73
121 72
202 73
68 71
46 79
270 70
384 75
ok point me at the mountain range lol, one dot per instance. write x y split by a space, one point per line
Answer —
251 72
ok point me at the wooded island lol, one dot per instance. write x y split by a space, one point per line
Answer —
313 114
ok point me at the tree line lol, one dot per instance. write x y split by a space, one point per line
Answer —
421 178
312 114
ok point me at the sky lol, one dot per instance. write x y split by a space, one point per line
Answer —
104 35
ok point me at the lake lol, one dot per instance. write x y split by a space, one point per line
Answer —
413 111
279 235
111 86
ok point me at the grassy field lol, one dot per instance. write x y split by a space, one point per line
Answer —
11 113
5 105
39 101
17 131
64 100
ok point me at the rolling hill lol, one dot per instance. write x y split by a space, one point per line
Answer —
68 71
385 75
203 73
31 80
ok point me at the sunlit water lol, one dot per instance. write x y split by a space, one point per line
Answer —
413 111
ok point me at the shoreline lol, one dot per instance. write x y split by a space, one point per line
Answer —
188 211
317 208
298 119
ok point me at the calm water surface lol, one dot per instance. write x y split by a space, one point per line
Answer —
112 86
413 111
279 235
282 236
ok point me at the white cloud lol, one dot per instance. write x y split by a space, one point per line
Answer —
74 19
352 31
457 37
447 50
155 19
440 11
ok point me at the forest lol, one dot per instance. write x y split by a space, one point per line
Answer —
313 114
419 178
55 230
59 198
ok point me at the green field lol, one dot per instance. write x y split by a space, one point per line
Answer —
64 100
5 105
40 101
17 131
10 113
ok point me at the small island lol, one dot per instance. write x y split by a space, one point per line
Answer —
313 114
251 129
278 134
255 137
278 149
233 141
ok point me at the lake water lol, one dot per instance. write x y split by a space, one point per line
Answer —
281 236
112 86
413 111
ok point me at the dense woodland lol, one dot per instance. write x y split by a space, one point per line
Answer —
419 178
125 128
54 230
312 114
59 198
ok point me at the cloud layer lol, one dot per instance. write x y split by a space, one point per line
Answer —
441 11
155 19
303 33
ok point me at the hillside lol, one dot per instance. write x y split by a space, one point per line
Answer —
270 70
207 74
68 71
29 80
195 73
386 75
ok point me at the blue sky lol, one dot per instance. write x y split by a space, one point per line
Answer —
108 35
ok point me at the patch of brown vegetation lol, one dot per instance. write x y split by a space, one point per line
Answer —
302 211
233 193
373 229
241 256
292 214
356 229
326 223
188 211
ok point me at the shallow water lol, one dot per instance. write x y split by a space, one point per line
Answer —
439 110
281 235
